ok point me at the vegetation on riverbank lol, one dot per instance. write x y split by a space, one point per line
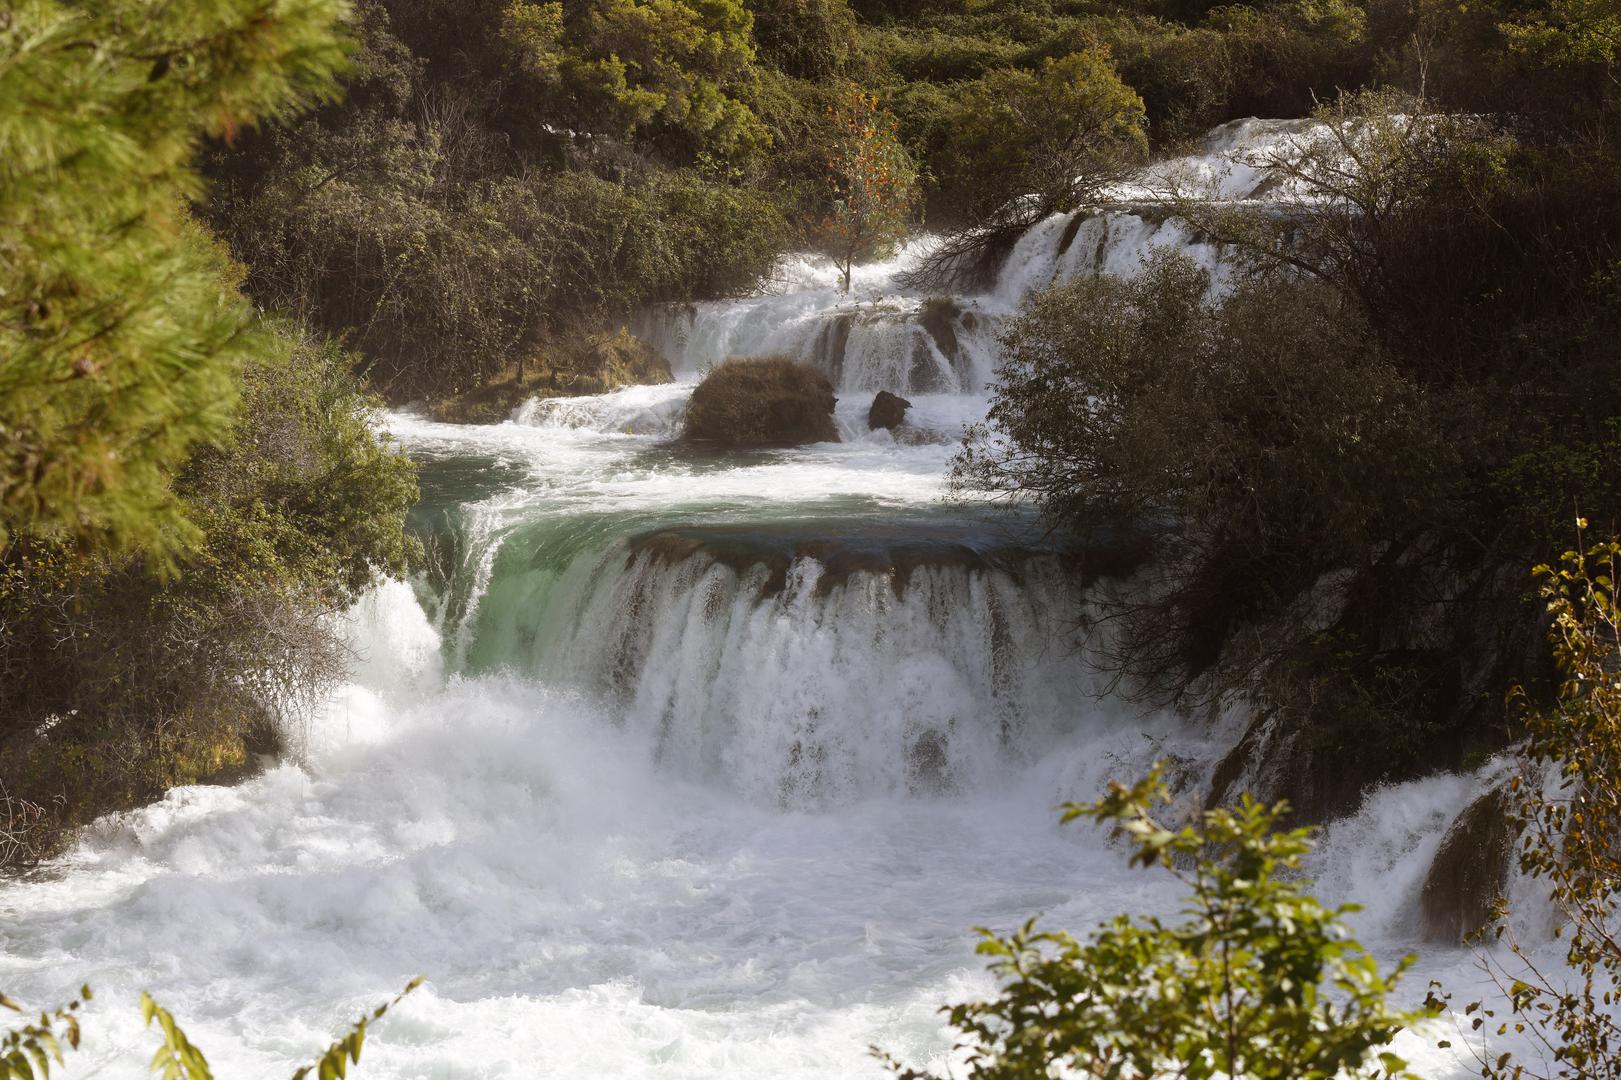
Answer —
503 175
1408 395
191 489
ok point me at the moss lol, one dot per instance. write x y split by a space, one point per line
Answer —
587 364
1469 870
770 402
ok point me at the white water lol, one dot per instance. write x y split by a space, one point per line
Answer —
638 813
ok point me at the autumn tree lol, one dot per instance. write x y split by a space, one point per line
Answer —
872 184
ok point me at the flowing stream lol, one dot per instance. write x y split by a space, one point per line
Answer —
681 763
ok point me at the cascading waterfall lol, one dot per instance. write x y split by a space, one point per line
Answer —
691 764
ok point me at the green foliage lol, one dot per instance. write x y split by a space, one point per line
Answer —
1140 397
119 683
1026 144
346 1051
662 69
1392 201
175 1058
1258 455
805 39
871 184
1258 980
1570 32
401 224
26 1052
121 331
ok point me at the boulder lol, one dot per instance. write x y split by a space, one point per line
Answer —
887 411
1469 870
762 403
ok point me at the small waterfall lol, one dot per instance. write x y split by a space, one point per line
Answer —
804 680
884 336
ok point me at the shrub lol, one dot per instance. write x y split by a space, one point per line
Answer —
1131 398
771 402
1259 453
673 71
1259 981
441 282
805 39
120 683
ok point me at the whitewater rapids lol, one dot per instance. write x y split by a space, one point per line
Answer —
677 764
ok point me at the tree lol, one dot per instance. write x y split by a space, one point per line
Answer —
1255 454
1027 144
671 70
1259 981
1570 32
1023 145
1565 804
117 683
121 328
1391 203
871 184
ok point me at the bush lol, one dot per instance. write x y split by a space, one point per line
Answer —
121 682
771 402
675 72
441 283
1260 453
805 39
1565 809
1259 981
1130 399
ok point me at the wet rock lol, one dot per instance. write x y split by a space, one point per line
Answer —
1469 870
897 550
939 317
762 403
888 410
928 767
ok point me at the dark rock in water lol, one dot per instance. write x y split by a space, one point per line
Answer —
767 402
939 317
888 410
928 768
1469 870
1279 760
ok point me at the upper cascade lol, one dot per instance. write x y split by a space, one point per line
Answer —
883 335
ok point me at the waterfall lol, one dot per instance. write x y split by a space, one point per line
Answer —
698 764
